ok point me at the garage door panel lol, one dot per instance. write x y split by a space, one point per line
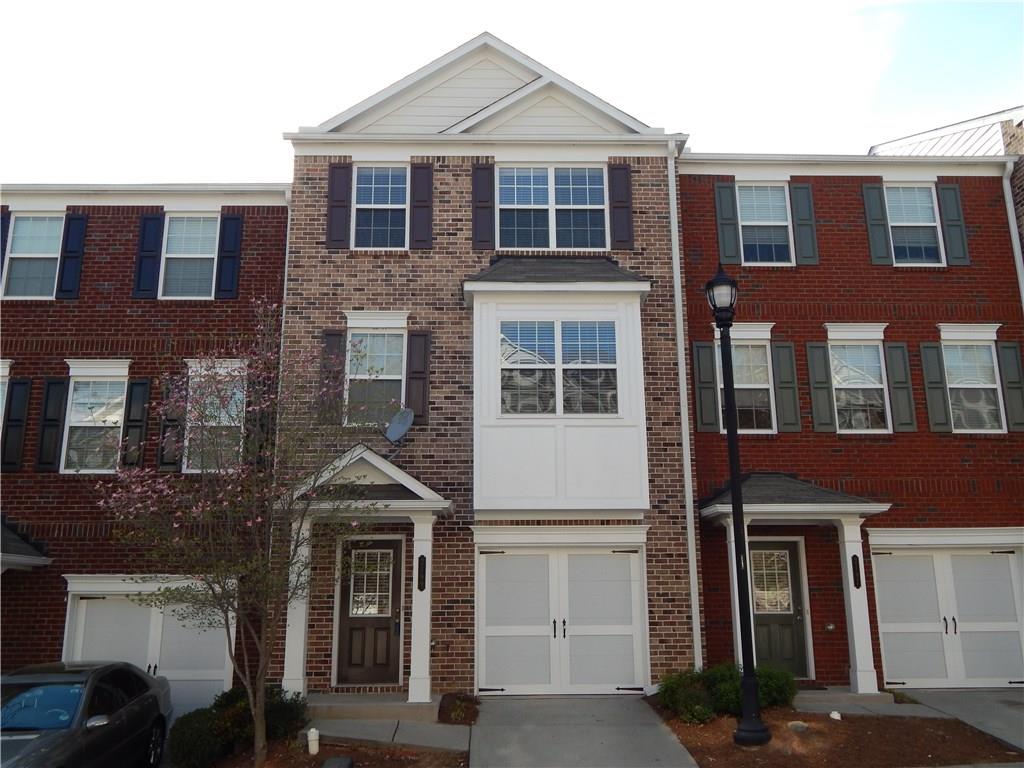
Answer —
992 655
911 593
597 659
114 629
184 647
914 655
984 589
517 590
517 661
600 590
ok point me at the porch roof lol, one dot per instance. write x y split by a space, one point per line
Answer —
780 497
17 552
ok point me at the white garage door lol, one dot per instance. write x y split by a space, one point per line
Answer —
950 618
560 621
114 628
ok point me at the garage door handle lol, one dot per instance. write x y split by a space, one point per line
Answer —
945 623
954 625
554 628
563 627
149 667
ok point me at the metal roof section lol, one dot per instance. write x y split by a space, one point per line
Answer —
978 137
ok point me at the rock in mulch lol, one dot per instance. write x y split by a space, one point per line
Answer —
798 726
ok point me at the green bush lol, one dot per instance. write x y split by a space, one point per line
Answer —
697 696
286 714
684 694
723 686
197 739
776 686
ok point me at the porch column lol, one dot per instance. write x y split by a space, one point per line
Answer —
422 547
293 679
734 597
855 594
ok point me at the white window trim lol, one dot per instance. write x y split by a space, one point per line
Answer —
748 334
9 255
355 206
958 332
551 207
92 370
856 331
168 215
376 320
788 223
975 340
226 366
5 376
844 340
937 224
352 583
558 367
349 376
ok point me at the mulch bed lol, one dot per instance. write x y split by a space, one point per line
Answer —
458 709
856 741
294 755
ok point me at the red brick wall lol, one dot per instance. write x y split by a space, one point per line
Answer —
59 510
931 479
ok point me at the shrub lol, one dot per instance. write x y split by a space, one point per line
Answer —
776 686
197 739
684 694
286 714
722 683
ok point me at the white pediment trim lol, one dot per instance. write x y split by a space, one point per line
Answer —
362 452
550 94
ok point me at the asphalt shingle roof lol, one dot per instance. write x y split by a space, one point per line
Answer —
778 488
12 544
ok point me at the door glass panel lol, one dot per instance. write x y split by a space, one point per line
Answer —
984 589
370 593
513 660
115 628
906 589
600 590
773 592
914 655
992 655
601 659
518 592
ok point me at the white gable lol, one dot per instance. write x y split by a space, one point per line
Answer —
363 466
361 472
551 111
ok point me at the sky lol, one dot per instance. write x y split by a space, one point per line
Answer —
201 91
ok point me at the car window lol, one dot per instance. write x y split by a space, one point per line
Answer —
39 706
128 683
106 698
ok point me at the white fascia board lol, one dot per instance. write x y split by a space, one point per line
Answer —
333 139
122 583
968 331
5 369
384 508
100 368
1009 536
358 319
774 167
747 331
22 562
856 331
560 514
794 512
543 151
561 535
635 287
363 452
182 197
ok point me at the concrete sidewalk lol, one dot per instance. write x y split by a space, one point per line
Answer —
571 732
996 711
399 732
846 703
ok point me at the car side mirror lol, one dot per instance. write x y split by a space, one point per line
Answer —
96 721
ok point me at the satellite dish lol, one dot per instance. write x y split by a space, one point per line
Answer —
399 425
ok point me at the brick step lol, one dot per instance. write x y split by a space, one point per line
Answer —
371 706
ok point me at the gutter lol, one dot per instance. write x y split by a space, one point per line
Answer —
1011 215
684 411
473 138
731 157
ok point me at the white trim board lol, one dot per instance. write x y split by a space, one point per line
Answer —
1010 536
558 536
968 331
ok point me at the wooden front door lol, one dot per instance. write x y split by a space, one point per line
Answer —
778 602
369 635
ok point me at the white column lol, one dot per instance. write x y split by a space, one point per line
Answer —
419 667
734 596
858 624
294 678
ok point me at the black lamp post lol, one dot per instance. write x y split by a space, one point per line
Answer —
721 292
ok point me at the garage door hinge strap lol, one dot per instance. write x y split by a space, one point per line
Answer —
489 690
1015 682
92 597
625 551
895 682
492 552
876 552
626 688
1001 552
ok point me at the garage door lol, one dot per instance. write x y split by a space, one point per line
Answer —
950 618
115 628
560 621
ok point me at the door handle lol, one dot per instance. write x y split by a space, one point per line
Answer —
154 668
563 627
148 668
554 628
954 625
945 623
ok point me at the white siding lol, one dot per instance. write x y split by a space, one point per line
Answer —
450 101
549 115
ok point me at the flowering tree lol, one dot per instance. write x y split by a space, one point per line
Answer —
257 446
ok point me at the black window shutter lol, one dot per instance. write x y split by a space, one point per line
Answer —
901 390
51 425
136 409
15 420
332 377
421 212
5 226
878 224
417 376
620 199
954 231
147 263
823 413
936 396
172 435
728 223
787 398
69 271
1011 373
229 257
805 236
339 205
483 207
706 385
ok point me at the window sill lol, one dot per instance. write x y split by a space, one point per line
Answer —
551 251
759 264
29 298
88 471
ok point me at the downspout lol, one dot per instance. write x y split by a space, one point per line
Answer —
684 410
1011 215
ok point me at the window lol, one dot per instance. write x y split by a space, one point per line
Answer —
380 218
558 367
764 224
858 384
376 375
92 437
215 415
751 370
33 255
769 570
527 213
913 225
370 589
190 256
973 382
5 370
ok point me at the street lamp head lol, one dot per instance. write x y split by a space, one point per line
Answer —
721 293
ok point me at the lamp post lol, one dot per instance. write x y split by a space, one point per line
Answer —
721 294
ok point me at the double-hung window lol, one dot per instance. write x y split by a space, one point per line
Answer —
972 378
858 377
764 223
375 379
752 374
190 256
528 212
381 213
5 370
913 225
558 367
215 415
95 415
33 254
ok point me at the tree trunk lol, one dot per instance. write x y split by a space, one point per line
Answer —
259 719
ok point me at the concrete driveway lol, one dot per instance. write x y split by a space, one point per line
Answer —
997 711
571 731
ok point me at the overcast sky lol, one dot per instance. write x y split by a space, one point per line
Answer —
201 91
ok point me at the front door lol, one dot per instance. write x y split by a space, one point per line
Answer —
370 611
778 603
